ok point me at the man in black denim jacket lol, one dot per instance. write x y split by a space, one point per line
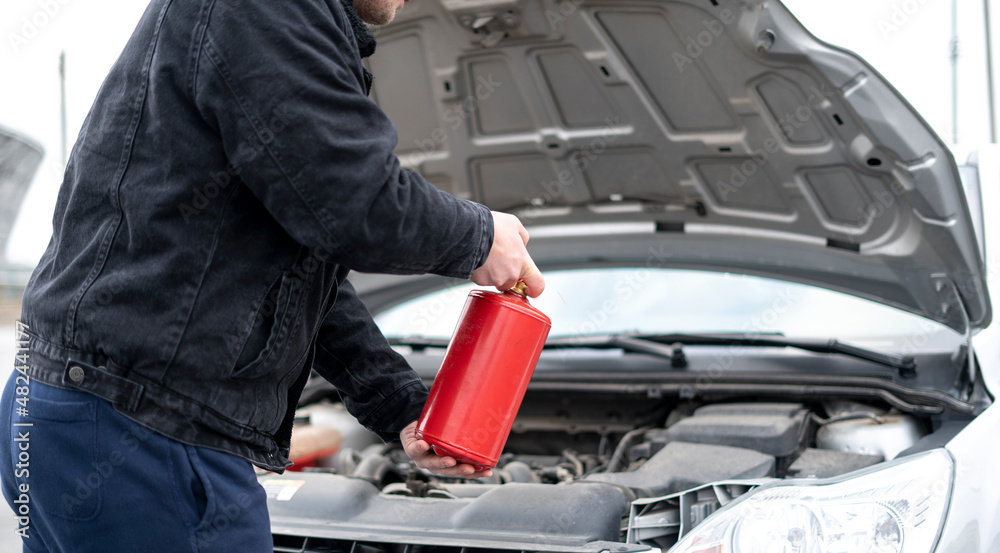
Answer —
230 174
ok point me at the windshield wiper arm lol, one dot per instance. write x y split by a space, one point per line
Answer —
905 364
671 351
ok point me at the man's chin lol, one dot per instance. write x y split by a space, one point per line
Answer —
374 12
379 20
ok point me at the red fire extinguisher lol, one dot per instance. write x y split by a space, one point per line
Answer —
483 377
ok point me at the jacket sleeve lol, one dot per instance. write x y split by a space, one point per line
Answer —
375 383
282 84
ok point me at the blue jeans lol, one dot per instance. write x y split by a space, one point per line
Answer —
81 477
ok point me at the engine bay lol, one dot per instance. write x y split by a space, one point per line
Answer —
694 446
582 469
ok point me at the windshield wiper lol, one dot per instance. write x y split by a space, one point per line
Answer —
624 342
668 346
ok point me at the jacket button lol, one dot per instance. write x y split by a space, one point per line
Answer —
76 373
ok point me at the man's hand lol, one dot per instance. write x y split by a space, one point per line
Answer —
509 260
425 458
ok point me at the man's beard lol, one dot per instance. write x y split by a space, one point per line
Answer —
375 12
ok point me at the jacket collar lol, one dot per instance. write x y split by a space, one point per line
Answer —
363 35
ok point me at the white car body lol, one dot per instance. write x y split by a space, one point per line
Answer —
973 520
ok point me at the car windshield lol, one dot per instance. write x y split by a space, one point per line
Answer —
600 301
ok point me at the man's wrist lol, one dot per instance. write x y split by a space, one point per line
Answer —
486 237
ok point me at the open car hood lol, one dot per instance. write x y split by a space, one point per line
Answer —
714 122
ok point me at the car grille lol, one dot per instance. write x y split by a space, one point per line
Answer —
298 544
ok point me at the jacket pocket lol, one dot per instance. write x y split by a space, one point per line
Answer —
285 313
202 502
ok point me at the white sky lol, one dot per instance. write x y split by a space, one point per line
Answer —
906 40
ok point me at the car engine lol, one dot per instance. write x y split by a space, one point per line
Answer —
587 472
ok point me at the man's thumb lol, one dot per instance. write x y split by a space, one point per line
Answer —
533 278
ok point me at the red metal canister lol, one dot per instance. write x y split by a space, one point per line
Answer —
483 377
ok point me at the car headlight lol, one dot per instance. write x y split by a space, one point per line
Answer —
898 508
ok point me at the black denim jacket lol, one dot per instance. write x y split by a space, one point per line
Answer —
230 174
